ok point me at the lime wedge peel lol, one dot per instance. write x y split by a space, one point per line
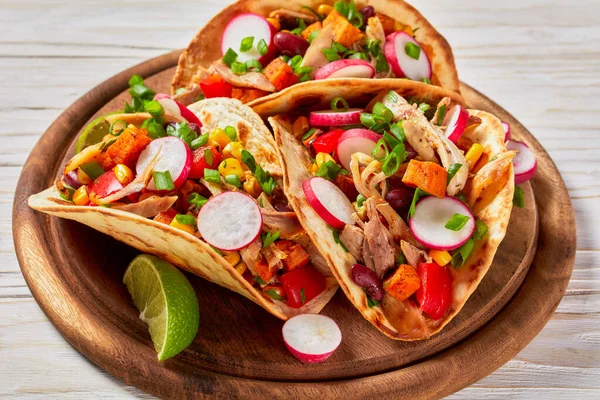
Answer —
167 303
94 132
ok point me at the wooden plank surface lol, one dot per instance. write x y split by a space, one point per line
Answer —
538 59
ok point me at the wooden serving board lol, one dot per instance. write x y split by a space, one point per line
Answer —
75 275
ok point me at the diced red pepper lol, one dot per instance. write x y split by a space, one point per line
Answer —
215 86
327 143
199 161
435 293
105 185
302 285
166 216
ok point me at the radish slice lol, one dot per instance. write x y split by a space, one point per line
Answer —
230 221
349 68
355 141
311 338
524 163
329 202
456 122
428 224
176 109
170 106
506 127
335 118
246 25
175 157
402 64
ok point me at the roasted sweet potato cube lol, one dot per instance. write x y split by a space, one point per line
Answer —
403 283
311 28
126 149
280 74
343 31
166 217
296 258
246 95
388 23
427 176
263 270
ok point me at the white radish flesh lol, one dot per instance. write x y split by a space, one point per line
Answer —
311 338
456 122
402 64
335 118
175 156
428 224
506 128
230 221
329 202
348 68
243 26
355 141
524 163
176 109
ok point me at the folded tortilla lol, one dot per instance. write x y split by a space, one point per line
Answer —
181 248
403 320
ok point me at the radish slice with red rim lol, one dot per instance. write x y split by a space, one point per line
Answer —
524 163
329 202
506 128
175 156
335 118
230 221
311 338
428 224
456 122
347 68
176 109
355 141
246 25
400 50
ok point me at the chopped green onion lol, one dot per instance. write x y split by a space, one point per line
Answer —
238 68
392 96
427 81
112 127
371 302
457 222
208 156
304 78
295 61
266 181
380 152
229 57
181 90
262 47
380 110
155 109
212 175
197 200
92 169
335 104
393 161
309 133
302 296
452 170
135 80
412 50
418 194
390 140
441 114
249 160
141 91
481 229
254 66
424 107
234 180
303 70
246 44
105 145
341 7
269 238
338 47
199 142
163 180
360 200
155 129
313 35
401 259
259 280
182 131
519 197
274 295
461 254
336 238
231 133
398 131
330 54
185 219
358 56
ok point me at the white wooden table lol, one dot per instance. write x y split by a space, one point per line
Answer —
537 58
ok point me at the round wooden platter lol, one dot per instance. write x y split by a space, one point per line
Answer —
75 275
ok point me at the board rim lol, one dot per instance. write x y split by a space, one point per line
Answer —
220 383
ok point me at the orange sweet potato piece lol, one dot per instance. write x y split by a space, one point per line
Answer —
427 176
343 31
126 149
166 217
296 258
311 28
280 74
403 283
246 95
263 270
388 23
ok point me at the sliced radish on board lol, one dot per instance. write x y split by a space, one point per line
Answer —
329 202
456 122
428 223
348 68
400 52
355 141
248 25
335 118
524 163
230 221
311 338
175 156
176 109
506 128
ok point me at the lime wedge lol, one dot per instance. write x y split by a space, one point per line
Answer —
93 133
167 303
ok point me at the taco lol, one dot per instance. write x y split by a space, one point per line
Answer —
202 192
408 206
254 48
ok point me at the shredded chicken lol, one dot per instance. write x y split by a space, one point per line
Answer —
367 181
289 16
444 102
314 57
353 238
375 31
285 222
213 188
149 207
254 80
414 255
396 225
251 254
265 203
488 174
274 255
379 250
190 95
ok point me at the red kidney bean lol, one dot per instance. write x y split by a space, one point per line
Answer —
399 198
367 279
411 152
289 44
196 128
367 12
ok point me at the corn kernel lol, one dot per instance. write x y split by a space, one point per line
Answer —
251 186
80 197
241 267
231 166
323 158
123 174
275 23
232 257
360 211
440 257
218 138
300 126
324 9
314 168
473 154
233 149
83 178
184 227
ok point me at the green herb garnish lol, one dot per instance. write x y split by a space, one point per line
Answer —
329 170
211 175
457 222
233 180
519 197
163 180
253 66
452 170
308 133
481 229
418 194
372 302
336 238
272 293
246 44
269 238
266 181
199 142
412 50
185 219
360 200
302 296
92 169
262 47
249 160
229 57
238 68
259 280
197 200
441 114
335 104
155 109
394 160
460 255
